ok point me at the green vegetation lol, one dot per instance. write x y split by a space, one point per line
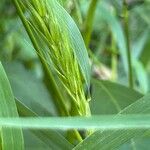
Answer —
74 74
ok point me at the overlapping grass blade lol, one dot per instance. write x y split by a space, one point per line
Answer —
10 138
141 106
114 139
50 137
110 98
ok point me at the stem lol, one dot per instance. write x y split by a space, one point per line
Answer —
89 22
113 59
126 30
78 12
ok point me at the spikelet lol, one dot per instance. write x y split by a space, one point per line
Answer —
50 28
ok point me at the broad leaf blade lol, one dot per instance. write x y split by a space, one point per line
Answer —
116 138
110 98
10 138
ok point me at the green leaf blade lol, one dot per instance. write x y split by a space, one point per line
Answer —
116 138
50 137
110 98
76 39
10 138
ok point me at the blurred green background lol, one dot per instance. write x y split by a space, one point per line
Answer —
107 43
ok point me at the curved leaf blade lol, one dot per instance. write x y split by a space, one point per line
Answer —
10 138
116 138
76 39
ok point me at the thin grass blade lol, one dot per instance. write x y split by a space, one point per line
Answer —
10 138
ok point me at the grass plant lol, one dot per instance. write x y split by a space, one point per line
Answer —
52 95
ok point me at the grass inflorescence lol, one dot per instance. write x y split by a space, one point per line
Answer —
51 39
59 52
